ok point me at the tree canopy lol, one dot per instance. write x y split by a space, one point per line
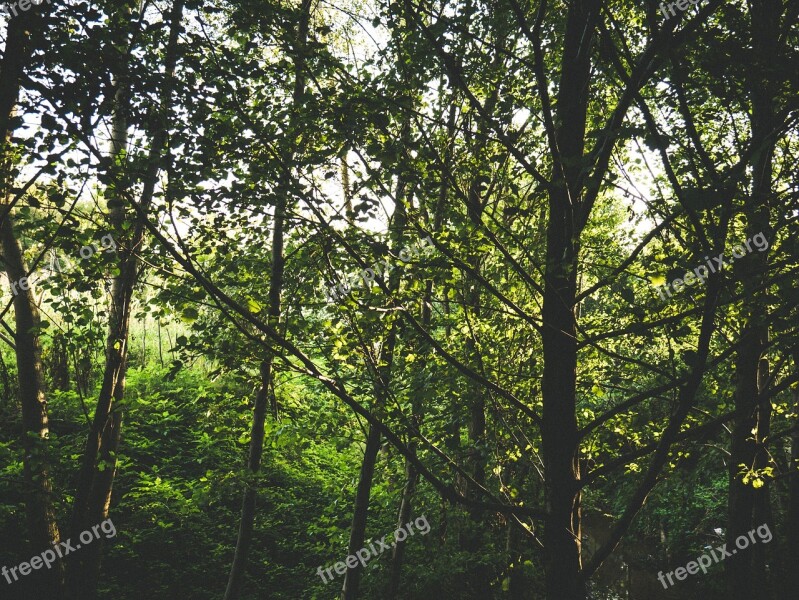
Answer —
487 299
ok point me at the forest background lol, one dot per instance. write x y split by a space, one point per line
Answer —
521 385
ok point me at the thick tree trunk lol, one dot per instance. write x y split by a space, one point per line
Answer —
792 524
560 443
746 571
743 452
17 52
559 432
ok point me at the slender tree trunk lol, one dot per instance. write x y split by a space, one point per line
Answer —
405 512
352 578
42 525
100 499
248 506
475 397
160 347
41 516
347 191
58 363
98 467
411 474
472 538
382 375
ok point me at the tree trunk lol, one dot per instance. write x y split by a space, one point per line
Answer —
560 444
405 512
100 499
420 385
792 524
746 571
743 454
478 577
559 430
382 375
352 578
58 363
247 524
98 467
248 506
42 525
761 511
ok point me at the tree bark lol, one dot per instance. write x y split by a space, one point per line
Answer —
560 443
352 578
41 516
42 524
792 524
382 382
98 467
746 571
559 431
248 506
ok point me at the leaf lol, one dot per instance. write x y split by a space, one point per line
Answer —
253 305
658 280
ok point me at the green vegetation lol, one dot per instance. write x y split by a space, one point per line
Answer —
569 428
